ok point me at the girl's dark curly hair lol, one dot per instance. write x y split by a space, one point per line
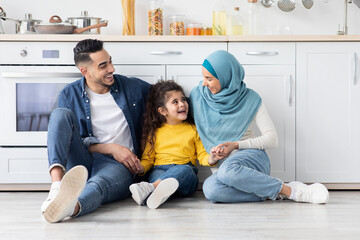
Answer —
157 97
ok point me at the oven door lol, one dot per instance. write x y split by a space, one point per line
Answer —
28 94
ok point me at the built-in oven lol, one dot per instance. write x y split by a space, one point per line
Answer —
31 76
28 96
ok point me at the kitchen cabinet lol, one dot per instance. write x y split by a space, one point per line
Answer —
270 71
24 165
328 112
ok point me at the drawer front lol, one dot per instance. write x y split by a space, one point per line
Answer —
24 165
263 53
161 52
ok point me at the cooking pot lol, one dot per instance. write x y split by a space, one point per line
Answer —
57 26
25 26
85 21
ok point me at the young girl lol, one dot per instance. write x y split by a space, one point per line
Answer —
172 146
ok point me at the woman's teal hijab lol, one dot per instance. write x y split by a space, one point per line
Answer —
226 115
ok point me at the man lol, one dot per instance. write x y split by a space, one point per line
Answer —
93 136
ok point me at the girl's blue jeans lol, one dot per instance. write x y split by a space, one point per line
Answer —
108 179
185 174
243 177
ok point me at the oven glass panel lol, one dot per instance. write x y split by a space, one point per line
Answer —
34 103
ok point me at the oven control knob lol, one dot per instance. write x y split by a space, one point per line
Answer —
23 53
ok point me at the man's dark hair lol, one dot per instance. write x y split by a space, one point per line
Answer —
84 48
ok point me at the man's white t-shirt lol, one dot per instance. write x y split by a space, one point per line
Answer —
108 121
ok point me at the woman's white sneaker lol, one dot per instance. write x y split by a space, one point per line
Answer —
63 205
162 192
314 193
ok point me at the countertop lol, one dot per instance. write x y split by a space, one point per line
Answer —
167 38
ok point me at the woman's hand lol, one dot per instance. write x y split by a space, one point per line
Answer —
224 149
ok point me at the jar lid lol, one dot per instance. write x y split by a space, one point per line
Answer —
193 25
177 17
207 28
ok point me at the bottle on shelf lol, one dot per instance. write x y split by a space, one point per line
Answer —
219 18
252 18
237 22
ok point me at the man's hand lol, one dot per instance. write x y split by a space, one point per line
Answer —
121 154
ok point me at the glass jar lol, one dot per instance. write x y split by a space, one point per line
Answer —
155 17
206 31
177 26
193 29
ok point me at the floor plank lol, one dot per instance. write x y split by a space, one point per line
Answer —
188 218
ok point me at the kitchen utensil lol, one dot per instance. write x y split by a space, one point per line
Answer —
2 14
267 3
25 26
85 21
56 26
308 3
286 5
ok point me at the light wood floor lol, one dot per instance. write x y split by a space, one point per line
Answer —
189 218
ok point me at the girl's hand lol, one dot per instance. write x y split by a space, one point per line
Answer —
225 149
214 157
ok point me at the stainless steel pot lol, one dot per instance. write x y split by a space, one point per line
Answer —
25 26
85 21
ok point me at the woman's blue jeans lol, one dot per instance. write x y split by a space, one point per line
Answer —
185 174
108 179
243 177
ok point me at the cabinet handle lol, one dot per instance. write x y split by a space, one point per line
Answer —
166 53
290 89
356 66
262 53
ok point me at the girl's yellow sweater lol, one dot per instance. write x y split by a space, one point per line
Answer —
175 144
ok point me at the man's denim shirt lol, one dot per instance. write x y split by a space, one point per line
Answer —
128 93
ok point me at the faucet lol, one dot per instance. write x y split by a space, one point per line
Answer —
345 27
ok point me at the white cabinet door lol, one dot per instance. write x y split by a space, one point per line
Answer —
24 165
276 86
328 113
270 71
148 73
188 76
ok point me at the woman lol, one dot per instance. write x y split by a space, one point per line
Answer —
223 110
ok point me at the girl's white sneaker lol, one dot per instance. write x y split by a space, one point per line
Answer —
162 192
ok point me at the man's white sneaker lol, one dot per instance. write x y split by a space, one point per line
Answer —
314 193
140 191
54 189
63 205
162 192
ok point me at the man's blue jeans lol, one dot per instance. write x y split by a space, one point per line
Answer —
243 177
185 174
108 179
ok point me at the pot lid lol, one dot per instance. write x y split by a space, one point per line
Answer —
84 15
28 18
55 20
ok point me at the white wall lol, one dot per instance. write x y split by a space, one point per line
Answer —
322 19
